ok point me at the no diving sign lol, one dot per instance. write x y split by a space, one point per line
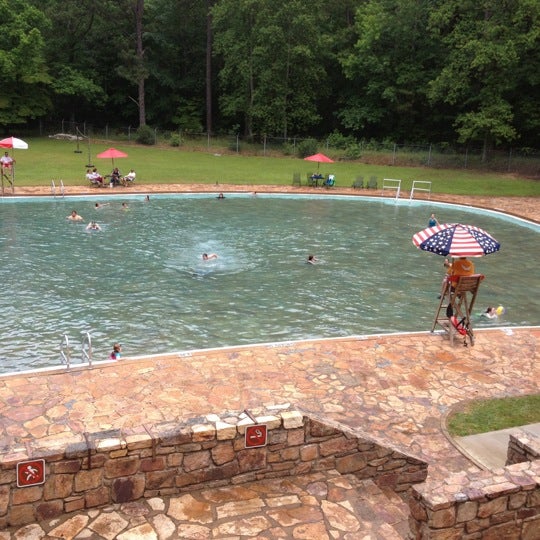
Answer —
30 473
256 436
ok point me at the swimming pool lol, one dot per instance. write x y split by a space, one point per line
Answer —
141 280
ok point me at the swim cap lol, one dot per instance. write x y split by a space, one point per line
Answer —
500 310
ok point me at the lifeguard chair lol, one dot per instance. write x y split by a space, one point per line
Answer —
455 308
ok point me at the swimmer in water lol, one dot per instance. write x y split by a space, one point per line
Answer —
74 216
220 196
97 206
93 226
125 206
208 257
312 259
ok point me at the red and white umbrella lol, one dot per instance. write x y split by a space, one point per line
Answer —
13 142
456 240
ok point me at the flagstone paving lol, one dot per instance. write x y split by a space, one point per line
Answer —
394 389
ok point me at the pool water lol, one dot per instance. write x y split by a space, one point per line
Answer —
141 280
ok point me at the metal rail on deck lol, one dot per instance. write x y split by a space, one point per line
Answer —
420 185
393 184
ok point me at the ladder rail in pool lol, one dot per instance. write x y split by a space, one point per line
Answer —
392 184
87 348
421 185
65 351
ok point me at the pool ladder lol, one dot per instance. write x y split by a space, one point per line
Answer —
60 187
86 350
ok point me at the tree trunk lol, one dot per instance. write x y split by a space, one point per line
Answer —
139 10
209 127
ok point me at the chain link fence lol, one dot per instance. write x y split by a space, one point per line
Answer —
520 161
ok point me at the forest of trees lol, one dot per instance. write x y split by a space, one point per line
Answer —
453 71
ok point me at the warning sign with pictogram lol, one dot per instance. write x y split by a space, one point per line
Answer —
30 473
256 436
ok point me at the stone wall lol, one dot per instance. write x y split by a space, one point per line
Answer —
522 446
206 452
504 504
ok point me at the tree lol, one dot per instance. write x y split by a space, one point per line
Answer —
24 78
389 70
486 44
271 70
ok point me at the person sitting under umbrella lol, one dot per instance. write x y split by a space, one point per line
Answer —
7 162
461 267
115 177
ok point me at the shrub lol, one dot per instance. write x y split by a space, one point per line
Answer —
307 147
145 135
339 141
175 140
353 151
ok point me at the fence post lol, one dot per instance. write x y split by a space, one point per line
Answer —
466 157
394 154
429 156
106 131
264 146
129 133
509 160
62 130
237 143
155 135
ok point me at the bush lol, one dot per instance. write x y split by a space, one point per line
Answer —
353 151
145 135
339 141
175 140
307 147
288 149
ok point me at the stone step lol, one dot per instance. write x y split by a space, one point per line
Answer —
322 506
382 513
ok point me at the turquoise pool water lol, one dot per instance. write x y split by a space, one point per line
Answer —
141 280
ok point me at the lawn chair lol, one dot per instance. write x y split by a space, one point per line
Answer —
372 182
330 181
296 179
129 178
358 183
311 181
455 307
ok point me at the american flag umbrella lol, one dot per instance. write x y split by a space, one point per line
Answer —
456 240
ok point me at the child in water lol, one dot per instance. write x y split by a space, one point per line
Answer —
116 353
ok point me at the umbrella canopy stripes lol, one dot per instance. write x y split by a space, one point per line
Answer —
13 142
456 240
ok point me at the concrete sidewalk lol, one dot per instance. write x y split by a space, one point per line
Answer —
489 450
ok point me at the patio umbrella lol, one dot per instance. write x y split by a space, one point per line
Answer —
112 153
13 142
456 240
319 158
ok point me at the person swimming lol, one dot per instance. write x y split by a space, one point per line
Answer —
312 259
493 312
208 257
93 226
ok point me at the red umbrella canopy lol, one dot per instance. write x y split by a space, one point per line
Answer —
112 153
319 158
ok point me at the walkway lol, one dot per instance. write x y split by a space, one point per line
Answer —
396 389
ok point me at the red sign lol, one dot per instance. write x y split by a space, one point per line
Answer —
256 436
30 473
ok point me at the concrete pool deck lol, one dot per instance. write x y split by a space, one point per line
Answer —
396 388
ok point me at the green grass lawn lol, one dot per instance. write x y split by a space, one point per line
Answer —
50 159
492 415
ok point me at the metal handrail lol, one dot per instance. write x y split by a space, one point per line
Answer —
53 188
87 348
392 183
62 188
65 351
415 187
